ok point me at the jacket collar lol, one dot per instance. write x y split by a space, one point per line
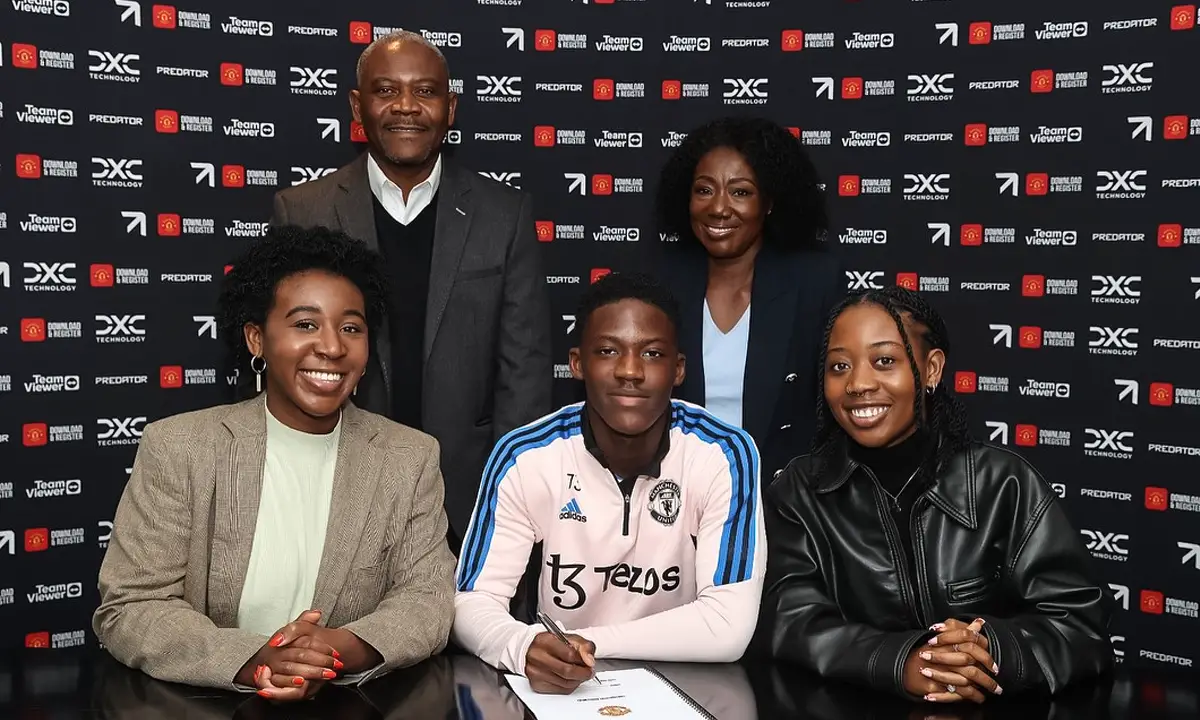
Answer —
952 489
238 491
653 469
248 419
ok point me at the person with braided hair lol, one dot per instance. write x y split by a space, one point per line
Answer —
905 554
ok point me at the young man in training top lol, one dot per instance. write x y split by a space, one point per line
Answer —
648 510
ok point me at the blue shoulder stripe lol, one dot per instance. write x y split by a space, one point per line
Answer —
560 425
738 538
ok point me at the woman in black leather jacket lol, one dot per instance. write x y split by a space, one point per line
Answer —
908 556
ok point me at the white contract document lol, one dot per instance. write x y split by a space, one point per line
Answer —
632 694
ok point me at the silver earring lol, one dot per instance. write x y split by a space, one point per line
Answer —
929 390
258 372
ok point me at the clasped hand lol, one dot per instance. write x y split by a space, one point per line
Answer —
296 662
953 666
554 668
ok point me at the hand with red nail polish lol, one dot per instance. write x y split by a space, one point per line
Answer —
266 682
294 664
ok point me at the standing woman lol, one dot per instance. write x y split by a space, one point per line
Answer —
752 278
291 539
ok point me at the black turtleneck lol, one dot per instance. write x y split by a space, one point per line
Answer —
893 466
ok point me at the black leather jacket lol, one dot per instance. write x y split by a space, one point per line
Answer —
991 541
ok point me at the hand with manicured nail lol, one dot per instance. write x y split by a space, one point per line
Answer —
265 681
292 665
958 656
919 682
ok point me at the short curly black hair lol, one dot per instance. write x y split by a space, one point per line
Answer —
248 290
786 176
615 287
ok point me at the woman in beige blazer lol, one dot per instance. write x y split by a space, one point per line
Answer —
290 539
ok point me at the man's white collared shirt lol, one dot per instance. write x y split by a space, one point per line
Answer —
391 197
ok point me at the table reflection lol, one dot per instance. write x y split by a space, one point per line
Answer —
53 686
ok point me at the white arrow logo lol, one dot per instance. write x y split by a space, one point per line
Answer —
1003 334
330 126
578 182
516 36
8 539
206 170
949 32
1129 389
1120 594
824 87
570 320
1143 125
208 325
941 233
1010 182
137 219
1196 280
131 8
1193 553
999 430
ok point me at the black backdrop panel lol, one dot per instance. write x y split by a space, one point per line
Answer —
1031 165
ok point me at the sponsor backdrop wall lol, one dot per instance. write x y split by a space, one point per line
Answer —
1031 166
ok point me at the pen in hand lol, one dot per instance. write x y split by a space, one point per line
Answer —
552 628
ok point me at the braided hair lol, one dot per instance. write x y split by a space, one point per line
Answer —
939 412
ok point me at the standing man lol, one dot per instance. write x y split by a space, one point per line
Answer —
465 354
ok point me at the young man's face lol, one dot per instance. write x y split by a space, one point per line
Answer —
628 360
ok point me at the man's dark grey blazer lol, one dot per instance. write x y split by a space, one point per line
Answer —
488 367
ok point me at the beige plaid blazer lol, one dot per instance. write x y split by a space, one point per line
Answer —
172 577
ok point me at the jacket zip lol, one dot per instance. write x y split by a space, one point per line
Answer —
908 590
626 487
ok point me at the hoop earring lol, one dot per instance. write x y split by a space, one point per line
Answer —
360 377
258 372
929 390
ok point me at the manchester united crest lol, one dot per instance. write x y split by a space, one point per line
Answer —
665 502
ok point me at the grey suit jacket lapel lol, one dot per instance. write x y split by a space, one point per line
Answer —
239 491
353 206
235 509
453 224
359 463
355 212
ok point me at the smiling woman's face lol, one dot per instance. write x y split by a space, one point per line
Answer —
727 206
315 345
868 378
